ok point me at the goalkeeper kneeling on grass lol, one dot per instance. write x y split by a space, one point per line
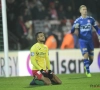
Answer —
41 64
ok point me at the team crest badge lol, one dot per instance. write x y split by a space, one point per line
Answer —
32 53
88 21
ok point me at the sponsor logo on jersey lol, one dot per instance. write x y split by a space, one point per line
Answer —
88 21
86 27
32 53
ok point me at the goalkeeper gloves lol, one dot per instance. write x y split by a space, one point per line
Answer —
50 74
44 73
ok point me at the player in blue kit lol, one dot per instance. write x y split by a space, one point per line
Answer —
83 28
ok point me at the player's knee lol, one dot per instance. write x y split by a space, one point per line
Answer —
48 82
42 78
59 82
86 55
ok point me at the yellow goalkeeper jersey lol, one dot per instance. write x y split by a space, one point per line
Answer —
39 57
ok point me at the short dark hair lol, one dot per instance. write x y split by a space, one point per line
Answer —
36 35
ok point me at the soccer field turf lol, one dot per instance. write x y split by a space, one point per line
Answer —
69 82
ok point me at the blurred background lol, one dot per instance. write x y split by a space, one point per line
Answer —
53 17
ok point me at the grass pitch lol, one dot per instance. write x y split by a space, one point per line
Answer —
69 82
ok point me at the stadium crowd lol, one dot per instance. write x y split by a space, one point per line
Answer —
53 17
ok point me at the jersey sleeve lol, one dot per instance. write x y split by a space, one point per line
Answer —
47 60
95 25
93 22
75 25
33 52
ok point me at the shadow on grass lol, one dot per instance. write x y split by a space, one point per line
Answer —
34 86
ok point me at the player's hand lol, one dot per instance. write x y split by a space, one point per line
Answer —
50 74
76 32
44 73
76 26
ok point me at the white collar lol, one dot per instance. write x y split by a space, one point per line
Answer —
84 18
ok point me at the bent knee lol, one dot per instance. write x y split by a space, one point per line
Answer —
86 55
59 82
48 82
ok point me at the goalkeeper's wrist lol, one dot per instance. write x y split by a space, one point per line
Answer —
41 70
49 71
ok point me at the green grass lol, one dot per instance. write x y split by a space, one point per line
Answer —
69 82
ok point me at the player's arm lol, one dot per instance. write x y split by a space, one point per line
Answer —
95 26
33 58
50 74
47 60
75 27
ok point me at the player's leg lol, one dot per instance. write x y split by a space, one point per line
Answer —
36 81
91 51
84 50
46 80
33 82
56 80
91 58
87 64
40 76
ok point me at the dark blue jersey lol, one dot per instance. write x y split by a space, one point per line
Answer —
85 27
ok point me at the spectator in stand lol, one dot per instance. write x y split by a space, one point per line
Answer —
38 10
69 13
68 40
33 9
52 11
29 26
21 32
51 41
41 12
61 13
11 14
24 31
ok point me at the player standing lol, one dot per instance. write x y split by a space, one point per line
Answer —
41 65
83 27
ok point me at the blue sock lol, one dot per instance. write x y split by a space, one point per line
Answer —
91 61
86 64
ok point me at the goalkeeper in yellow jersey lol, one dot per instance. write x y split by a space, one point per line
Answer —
41 64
